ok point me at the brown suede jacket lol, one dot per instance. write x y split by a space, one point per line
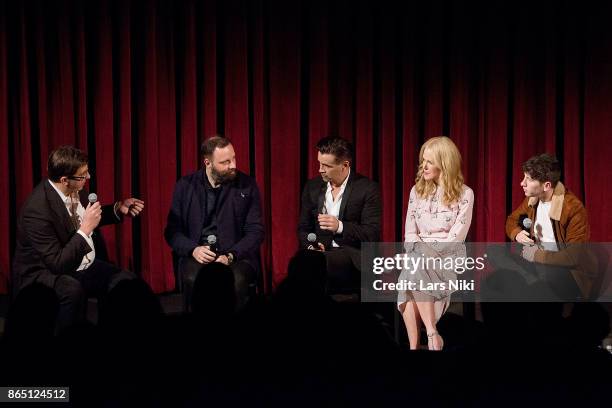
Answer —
571 226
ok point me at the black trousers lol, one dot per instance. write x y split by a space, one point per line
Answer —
343 270
73 289
245 282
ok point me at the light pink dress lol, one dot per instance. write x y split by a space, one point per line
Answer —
428 220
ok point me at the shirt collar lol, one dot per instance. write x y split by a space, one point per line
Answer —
65 199
344 183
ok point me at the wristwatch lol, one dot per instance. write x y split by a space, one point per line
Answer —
230 258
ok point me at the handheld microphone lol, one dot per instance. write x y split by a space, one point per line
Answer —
312 238
526 223
212 243
92 197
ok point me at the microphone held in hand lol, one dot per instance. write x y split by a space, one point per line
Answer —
212 243
92 197
526 223
312 238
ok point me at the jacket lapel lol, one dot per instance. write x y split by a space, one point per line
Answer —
58 207
556 205
557 202
321 198
346 196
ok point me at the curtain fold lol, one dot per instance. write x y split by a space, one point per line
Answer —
5 168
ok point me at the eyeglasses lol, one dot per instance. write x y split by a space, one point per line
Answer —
80 178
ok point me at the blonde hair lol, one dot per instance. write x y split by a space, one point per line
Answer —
447 158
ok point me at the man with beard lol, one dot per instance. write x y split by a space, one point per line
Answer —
216 217
343 209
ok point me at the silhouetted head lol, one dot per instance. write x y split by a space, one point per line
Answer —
214 293
589 324
33 314
306 276
131 304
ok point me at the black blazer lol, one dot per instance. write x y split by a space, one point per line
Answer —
239 222
47 239
360 212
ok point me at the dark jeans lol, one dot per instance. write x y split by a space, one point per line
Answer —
73 290
343 270
516 280
244 280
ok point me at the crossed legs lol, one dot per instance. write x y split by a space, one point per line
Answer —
416 312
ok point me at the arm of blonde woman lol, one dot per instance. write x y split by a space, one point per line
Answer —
411 232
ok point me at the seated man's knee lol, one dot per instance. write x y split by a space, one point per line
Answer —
240 279
120 276
244 278
69 289
189 276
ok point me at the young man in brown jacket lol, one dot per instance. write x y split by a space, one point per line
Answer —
559 222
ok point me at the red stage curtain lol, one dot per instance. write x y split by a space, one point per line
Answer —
141 84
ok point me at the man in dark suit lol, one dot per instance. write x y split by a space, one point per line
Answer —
222 204
56 242
343 209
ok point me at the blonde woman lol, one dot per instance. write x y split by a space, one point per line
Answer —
439 214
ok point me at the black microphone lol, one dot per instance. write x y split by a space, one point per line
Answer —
212 243
312 238
526 223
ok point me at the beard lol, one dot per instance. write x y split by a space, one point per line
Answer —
224 177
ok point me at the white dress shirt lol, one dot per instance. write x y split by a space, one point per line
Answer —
89 258
332 207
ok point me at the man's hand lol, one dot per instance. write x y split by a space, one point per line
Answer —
328 222
91 218
222 259
528 252
320 248
203 254
523 238
130 206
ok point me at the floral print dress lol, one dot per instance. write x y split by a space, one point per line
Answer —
435 229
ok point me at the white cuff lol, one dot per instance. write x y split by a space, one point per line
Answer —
87 238
340 227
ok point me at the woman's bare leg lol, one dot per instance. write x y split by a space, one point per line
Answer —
428 315
412 320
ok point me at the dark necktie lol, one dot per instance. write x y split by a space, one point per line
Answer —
74 216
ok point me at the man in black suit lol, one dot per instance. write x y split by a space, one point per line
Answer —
343 209
56 242
221 202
